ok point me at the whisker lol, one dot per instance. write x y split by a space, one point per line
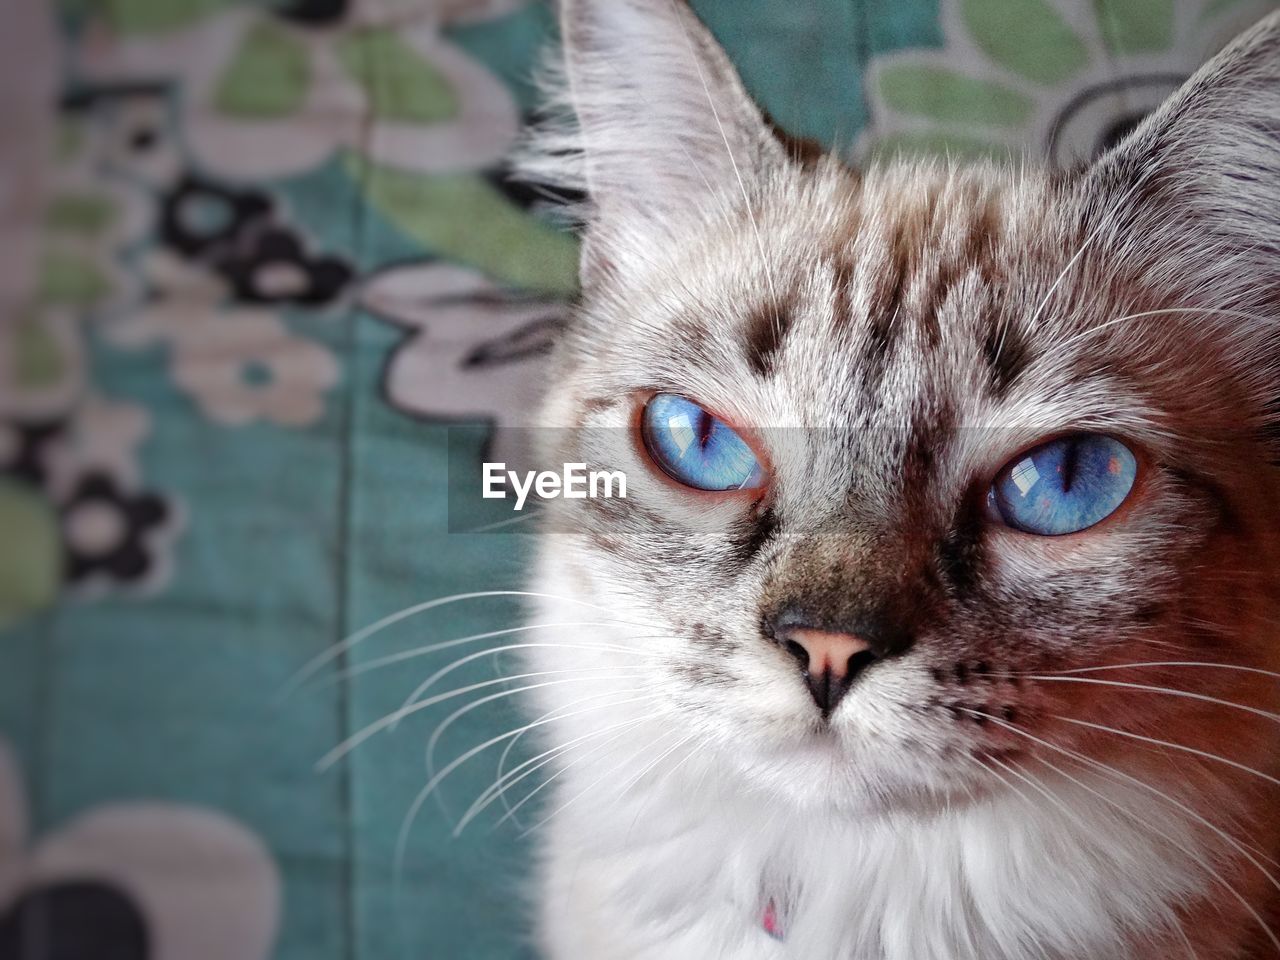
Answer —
317 662
436 735
1041 789
1151 313
1149 688
591 786
513 810
426 684
506 752
402 839
555 714
508 522
1235 843
1222 834
369 666
1093 235
342 749
1153 663
1164 644
665 775
1153 741
987 771
1213 873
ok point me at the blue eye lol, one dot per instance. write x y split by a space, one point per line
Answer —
696 448
1065 485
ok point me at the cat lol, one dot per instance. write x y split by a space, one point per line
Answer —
940 620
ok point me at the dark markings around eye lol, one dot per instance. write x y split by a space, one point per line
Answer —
766 331
747 544
960 554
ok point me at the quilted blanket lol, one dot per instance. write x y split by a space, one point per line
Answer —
265 280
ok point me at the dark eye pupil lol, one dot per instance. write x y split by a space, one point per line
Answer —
706 423
1070 460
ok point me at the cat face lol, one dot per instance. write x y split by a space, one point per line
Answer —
863 623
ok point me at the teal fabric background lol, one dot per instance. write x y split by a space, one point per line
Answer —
289 532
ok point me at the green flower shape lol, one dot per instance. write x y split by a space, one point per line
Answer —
88 220
1056 77
31 567
75 274
274 90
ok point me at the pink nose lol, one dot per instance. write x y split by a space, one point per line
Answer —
830 661
828 652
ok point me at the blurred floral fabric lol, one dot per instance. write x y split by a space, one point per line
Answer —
258 257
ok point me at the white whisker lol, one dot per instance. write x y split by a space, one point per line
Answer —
1245 850
1098 328
1145 822
508 522
1149 688
513 810
402 839
342 749
595 783
344 646
368 666
1152 663
1155 742
428 683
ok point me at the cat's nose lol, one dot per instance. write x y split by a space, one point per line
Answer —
831 661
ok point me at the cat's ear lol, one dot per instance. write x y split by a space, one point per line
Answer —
664 127
1195 189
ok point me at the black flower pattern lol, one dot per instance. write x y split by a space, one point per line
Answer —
24 447
272 266
237 233
105 530
73 921
312 13
199 217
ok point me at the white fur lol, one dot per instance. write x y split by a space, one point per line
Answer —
675 861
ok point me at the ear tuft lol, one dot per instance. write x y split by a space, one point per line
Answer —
649 118
1193 198
1200 177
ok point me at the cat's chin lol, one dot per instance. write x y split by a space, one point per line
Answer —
819 772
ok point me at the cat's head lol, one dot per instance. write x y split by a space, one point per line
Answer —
989 432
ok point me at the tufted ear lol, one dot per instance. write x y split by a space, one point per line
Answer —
1197 184
663 126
